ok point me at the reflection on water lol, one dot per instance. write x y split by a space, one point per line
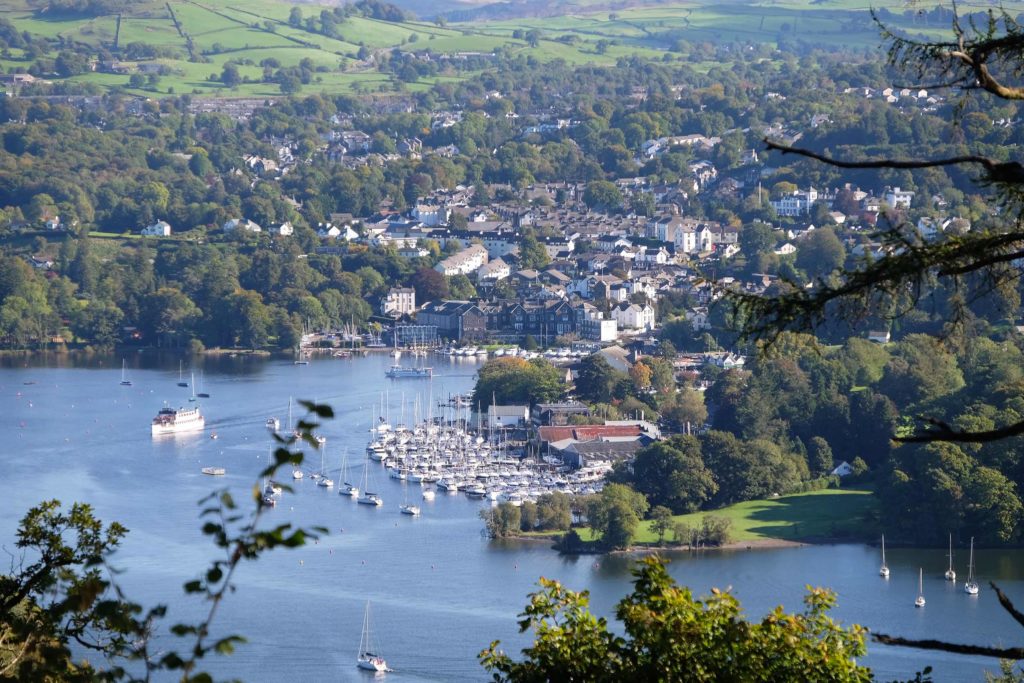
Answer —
441 592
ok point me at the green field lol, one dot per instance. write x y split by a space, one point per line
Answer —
827 514
224 30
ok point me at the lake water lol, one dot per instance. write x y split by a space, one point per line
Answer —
440 591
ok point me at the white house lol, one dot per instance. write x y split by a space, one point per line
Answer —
897 198
879 336
241 224
399 301
699 319
494 270
286 229
506 417
634 316
595 327
413 252
842 469
430 214
328 231
617 357
797 203
158 229
464 262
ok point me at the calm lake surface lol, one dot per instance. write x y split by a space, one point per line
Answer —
440 591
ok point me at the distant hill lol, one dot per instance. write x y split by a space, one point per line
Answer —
263 48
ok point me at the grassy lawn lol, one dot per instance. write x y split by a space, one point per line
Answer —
830 513
238 29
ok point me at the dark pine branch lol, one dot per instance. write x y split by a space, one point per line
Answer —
1010 172
942 431
1007 604
1013 653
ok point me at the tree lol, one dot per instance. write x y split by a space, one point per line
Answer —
502 521
532 253
686 411
430 285
971 265
230 76
602 194
461 288
596 379
671 636
756 238
672 474
615 514
59 591
517 381
661 521
819 457
820 253
39 615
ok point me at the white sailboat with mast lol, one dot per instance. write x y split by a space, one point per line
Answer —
367 659
883 571
181 379
346 488
971 586
919 602
950 573
323 479
125 382
367 497
407 508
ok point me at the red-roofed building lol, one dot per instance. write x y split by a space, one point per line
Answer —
575 444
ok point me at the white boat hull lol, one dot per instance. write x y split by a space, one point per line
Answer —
372 664
180 428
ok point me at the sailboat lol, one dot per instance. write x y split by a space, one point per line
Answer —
192 399
406 508
367 659
125 382
323 479
950 573
883 571
920 588
202 394
346 488
971 586
181 380
367 497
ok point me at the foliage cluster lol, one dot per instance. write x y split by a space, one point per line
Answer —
670 635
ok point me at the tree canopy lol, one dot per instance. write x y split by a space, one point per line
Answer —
668 634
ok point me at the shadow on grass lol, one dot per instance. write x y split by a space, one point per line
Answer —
810 517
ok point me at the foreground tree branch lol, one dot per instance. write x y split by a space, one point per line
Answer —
888 163
1012 653
941 431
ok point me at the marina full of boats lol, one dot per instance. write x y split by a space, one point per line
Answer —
453 459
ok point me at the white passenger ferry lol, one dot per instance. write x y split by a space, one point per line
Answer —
178 420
